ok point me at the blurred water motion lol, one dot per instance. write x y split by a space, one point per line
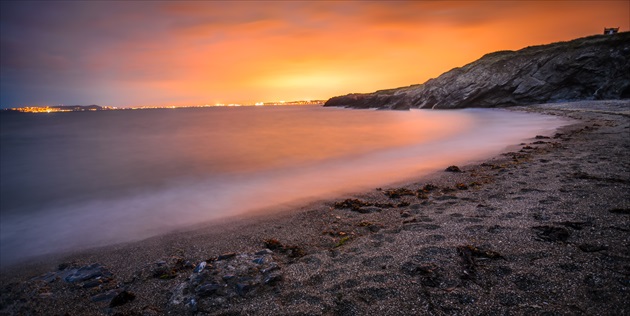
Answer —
75 180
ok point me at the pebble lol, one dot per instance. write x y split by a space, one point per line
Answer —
200 267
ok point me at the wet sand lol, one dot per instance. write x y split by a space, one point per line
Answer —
542 229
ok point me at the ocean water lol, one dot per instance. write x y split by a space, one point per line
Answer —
75 180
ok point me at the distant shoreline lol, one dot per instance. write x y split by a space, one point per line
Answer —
84 108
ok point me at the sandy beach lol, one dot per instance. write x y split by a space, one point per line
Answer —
542 229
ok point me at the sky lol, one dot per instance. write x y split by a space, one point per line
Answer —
161 53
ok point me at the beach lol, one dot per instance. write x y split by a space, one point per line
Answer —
540 229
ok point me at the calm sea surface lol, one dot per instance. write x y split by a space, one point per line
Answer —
82 179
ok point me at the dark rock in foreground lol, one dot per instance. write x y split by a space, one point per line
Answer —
590 68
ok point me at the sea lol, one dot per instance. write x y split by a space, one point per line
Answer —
71 181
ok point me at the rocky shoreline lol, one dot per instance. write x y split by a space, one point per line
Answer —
543 229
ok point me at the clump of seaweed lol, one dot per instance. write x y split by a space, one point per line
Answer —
396 193
353 204
342 241
291 251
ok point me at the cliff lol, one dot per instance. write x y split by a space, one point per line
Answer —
590 68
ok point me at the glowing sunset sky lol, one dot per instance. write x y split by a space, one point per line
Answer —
127 53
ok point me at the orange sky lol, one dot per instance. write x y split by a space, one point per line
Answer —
187 53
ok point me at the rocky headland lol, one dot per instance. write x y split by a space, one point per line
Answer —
590 68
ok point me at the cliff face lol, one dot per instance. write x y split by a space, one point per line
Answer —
591 68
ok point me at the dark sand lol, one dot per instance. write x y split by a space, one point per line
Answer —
542 230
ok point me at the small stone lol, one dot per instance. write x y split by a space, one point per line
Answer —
446 197
260 260
453 169
592 248
122 298
208 289
87 273
63 266
273 279
272 267
551 233
200 267
273 244
264 252
91 284
107 296
368 209
461 186
429 187
226 256
243 288
192 305
48 277
625 211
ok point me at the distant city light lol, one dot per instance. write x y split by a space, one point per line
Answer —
82 108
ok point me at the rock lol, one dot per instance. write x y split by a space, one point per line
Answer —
429 187
107 296
169 269
86 273
226 256
260 260
590 68
453 169
625 211
592 248
369 209
273 279
122 298
264 252
208 289
446 197
575 225
551 233
92 283
200 267
272 267
243 288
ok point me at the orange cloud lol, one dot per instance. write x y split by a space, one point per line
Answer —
199 52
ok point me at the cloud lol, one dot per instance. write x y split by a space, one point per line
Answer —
200 50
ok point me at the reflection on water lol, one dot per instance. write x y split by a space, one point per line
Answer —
74 180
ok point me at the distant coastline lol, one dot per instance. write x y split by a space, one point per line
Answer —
93 107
